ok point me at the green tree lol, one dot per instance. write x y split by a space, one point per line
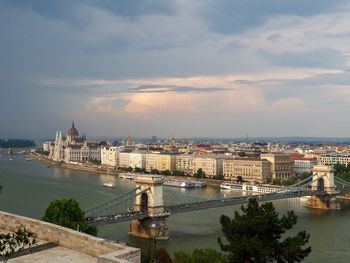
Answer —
11 243
200 174
67 213
276 181
218 177
255 236
304 175
155 171
179 173
166 172
200 256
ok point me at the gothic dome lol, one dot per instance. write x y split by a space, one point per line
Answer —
73 132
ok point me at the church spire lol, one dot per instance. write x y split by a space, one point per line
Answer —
73 124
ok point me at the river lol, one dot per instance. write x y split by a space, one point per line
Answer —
29 186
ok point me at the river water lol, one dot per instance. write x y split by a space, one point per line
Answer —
29 186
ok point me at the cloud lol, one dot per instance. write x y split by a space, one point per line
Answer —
234 17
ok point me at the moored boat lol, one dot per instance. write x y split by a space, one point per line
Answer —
108 184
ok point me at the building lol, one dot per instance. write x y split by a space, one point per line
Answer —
110 156
334 158
166 162
137 159
248 169
210 165
151 160
185 163
74 148
281 165
303 164
132 159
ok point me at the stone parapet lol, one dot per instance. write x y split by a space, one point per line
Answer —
104 250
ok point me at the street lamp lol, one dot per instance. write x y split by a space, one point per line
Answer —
154 228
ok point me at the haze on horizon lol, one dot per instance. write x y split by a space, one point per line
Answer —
194 68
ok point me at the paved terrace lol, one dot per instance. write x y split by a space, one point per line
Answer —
60 244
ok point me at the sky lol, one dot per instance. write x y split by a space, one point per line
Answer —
192 68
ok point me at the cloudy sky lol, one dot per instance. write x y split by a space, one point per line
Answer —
189 67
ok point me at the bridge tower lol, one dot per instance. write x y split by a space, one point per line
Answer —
149 201
323 180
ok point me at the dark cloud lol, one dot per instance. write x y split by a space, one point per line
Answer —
66 9
319 58
233 17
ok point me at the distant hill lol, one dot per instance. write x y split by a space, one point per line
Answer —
16 143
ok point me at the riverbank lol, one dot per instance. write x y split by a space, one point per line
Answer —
110 171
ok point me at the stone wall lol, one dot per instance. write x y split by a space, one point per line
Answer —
103 250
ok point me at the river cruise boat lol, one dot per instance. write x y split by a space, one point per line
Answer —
108 184
231 186
264 188
255 188
181 184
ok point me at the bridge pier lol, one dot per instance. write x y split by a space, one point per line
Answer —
141 228
323 180
152 203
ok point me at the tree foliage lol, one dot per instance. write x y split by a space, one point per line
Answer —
12 243
67 213
255 236
200 174
200 256
342 171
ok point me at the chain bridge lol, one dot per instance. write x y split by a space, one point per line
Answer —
145 204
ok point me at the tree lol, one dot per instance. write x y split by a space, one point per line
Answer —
154 171
218 177
163 256
239 179
178 173
67 213
200 174
166 172
276 181
304 175
12 243
200 256
255 236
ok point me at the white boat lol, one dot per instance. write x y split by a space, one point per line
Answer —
129 176
11 159
180 184
264 188
109 184
231 186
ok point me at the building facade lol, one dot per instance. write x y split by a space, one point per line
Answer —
110 156
166 162
281 165
334 158
185 163
248 169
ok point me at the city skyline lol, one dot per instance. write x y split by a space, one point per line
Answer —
191 68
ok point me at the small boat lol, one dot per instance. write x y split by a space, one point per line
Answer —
129 176
11 159
109 184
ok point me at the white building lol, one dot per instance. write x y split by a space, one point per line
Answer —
302 165
110 156
132 159
334 158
